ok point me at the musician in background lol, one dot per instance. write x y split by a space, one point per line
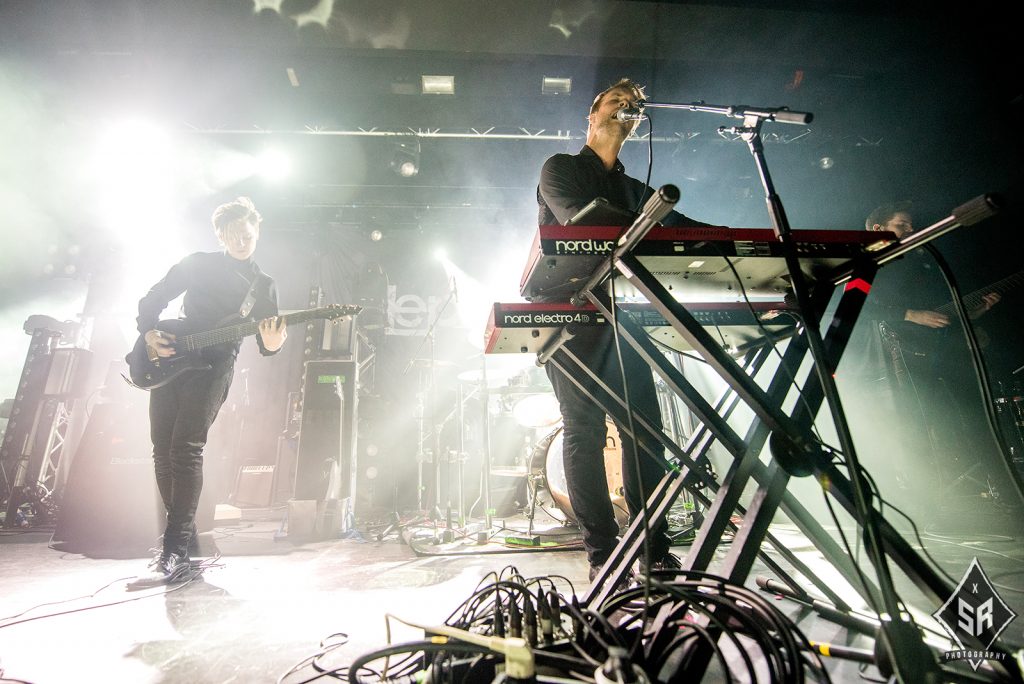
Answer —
217 286
896 218
905 373
567 184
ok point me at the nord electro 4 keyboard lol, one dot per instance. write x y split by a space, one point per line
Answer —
691 260
523 328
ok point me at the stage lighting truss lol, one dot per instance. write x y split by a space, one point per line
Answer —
805 136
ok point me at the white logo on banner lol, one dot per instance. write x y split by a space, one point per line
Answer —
412 314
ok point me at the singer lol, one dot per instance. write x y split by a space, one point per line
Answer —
567 184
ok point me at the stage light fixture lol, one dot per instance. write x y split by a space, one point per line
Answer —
437 84
376 235
273 164
405 159
826 163
556 85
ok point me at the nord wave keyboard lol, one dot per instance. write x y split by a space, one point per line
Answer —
694 263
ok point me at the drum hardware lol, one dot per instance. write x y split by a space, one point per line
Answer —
427 384
674 427
547 474
1010 417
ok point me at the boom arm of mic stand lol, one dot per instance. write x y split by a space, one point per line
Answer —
967 214
657 207
779 114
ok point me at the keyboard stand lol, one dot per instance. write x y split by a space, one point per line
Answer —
794 449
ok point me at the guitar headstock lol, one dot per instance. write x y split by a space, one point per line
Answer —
333 312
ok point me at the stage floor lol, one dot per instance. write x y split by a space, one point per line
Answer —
267 603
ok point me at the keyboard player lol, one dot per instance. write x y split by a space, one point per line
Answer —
568 183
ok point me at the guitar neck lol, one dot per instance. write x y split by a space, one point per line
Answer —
239 331
975 299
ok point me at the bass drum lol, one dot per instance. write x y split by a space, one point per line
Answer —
547 471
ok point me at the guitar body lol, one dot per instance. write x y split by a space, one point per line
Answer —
148 375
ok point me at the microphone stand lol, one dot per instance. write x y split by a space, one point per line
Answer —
428 337
910 658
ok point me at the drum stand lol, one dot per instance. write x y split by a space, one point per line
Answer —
1010 407
435 453
425 453
457 456
674 427
534 479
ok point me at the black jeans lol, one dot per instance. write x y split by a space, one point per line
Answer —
584 438
180 416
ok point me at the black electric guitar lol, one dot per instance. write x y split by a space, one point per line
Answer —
921 340
147 370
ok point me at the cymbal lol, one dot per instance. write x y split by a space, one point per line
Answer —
526 389
509 363
438 363
494 379
509 471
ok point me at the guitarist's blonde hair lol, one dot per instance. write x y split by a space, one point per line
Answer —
239 208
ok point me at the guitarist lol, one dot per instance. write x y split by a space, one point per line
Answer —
904 373
216 285
896 219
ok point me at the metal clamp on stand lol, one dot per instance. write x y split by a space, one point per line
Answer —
555 343
657 207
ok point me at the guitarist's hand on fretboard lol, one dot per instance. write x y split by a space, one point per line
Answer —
273 332
987 302
159 344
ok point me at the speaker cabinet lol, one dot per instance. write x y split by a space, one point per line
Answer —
254 486
325 458
111 507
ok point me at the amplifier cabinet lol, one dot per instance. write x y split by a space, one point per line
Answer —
326 455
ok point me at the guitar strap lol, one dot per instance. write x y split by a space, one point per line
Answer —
250 298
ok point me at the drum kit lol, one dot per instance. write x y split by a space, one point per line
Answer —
521 439
526 396
1010 418
547 477
534 461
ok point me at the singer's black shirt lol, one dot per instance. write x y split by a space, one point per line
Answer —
569 182
215 285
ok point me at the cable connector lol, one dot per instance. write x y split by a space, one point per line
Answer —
519 662
618 670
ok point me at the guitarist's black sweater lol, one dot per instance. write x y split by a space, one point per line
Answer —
215 285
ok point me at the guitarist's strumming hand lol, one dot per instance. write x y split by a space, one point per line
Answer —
929 319
159 343
273 332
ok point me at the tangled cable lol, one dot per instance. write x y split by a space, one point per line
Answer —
696 625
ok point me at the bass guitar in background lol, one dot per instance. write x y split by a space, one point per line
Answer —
921 339
147 370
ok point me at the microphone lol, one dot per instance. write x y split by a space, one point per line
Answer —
630 114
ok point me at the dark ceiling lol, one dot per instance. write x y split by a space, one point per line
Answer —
909 102
890 88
